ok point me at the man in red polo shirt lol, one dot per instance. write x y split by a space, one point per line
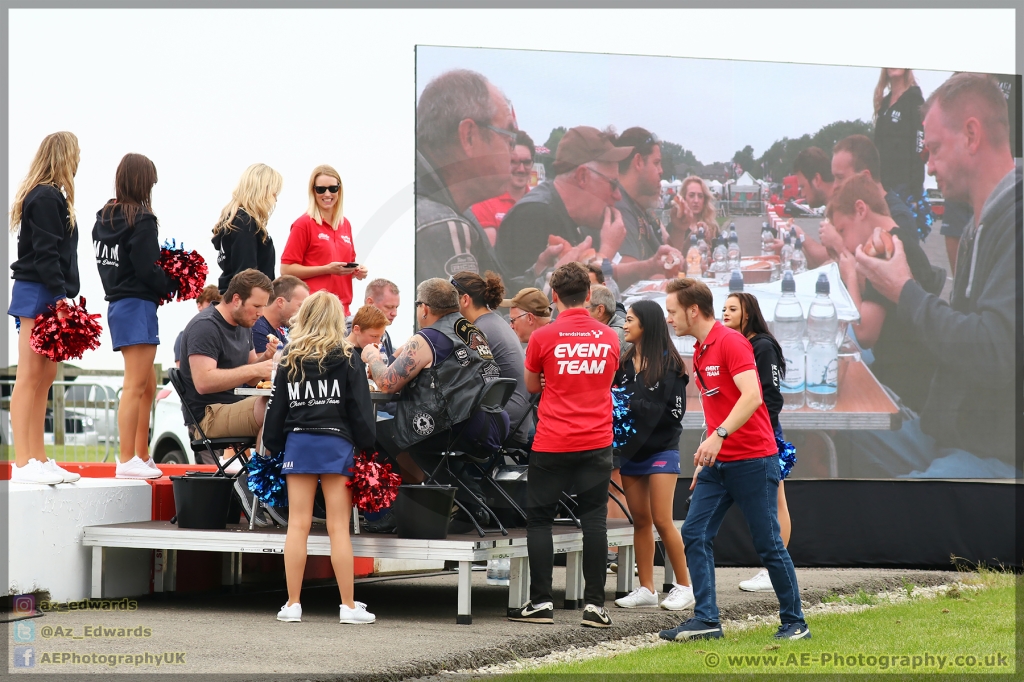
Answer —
738 462
572 450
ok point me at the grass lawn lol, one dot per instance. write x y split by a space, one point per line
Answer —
72 453
966 633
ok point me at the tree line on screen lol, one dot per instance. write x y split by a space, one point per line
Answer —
776 162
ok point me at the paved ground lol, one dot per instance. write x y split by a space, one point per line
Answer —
415 635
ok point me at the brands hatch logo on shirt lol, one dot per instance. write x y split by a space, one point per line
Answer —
345 238
895 117
105 255
588 354
325 237
712 370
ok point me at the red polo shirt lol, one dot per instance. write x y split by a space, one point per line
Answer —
724 354
578 356
490 213
312 245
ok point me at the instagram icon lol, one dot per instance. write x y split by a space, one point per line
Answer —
25 605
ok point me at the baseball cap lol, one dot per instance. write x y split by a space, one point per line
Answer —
584 144
529 300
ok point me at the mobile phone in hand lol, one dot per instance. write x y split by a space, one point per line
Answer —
351 265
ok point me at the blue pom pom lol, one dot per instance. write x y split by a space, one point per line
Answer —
622 420
787 456
265 480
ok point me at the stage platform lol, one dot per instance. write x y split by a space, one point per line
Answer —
236 540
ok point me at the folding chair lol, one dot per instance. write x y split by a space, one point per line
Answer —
492 399
239 443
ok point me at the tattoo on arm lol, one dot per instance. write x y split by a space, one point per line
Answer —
393 377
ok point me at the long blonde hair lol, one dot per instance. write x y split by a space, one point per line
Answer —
708 214
883 83
256 194
314 208
318 334
55 163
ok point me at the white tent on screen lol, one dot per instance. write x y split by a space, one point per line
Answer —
745 195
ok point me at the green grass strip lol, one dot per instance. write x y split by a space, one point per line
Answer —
967 632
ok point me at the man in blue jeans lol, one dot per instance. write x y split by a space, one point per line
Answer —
738 462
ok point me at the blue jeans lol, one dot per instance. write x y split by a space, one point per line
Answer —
911 453
754 485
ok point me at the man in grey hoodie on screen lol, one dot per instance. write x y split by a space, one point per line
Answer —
966 428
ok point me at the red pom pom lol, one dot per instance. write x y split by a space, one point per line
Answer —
187 268
63 339
374 486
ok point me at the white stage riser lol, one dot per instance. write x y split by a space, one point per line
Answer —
45 535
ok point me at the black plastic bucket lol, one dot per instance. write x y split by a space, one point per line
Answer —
423 512
202 500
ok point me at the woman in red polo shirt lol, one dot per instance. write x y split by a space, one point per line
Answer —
320 250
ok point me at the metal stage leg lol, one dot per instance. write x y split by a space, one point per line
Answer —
573 580
231 571
670 574
519 582
624 581
97 573
465 614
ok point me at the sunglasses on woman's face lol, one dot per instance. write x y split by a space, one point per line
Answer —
333 189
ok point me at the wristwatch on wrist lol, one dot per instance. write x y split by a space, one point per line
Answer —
722 433
607 267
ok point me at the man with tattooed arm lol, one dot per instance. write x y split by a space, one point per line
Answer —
439 372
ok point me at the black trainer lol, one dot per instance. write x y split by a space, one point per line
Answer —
530 613
595 617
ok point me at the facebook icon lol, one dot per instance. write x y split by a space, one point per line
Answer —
23 631
24 657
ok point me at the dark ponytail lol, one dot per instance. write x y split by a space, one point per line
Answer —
484 292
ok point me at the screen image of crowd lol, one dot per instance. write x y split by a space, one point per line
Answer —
935 331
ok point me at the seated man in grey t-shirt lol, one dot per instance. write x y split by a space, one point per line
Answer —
217 357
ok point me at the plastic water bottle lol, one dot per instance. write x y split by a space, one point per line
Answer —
798 261
720 265
767 240
693 267
789 332
822 353
736 282
733 253
786 254
498 571
702 246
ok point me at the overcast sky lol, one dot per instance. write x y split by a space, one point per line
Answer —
712 107
205 93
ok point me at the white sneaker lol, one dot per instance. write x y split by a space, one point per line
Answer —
639 597
152 464
233 468
759 583
136 468
69 477
290 614
35 472
357 616
681 597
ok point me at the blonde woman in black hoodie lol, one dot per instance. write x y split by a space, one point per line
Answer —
240 235
127 248
45 274
320 415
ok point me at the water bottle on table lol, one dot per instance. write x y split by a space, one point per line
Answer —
767 240
822 352
498 571
789 332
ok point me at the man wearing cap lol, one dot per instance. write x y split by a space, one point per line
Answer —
465 131
576 207
642 254
528 311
